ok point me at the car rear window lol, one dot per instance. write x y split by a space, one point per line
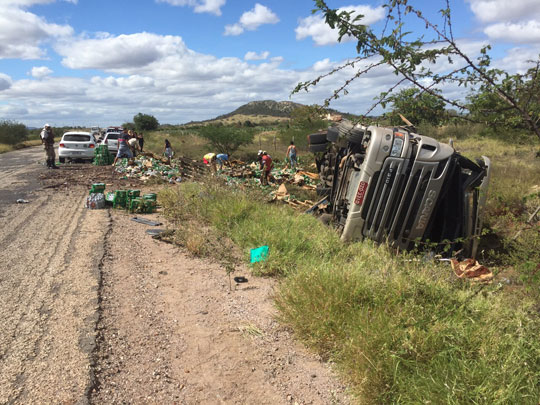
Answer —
76 138
112 136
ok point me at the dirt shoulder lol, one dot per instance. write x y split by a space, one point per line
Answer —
172 331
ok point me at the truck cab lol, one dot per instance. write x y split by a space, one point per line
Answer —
390 184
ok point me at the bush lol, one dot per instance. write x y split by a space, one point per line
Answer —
12 133
226 139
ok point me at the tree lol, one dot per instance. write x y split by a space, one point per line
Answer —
12 133
307 117
129 125
145 122
304 120
412 58
417 107
491 110
227 139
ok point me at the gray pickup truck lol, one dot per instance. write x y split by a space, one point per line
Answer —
393 185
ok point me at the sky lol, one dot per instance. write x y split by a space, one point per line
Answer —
100 62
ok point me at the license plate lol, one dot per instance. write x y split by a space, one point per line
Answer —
360 194
75 153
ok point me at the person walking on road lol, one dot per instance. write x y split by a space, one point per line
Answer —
291 155
47 139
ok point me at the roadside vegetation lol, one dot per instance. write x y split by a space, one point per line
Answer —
400 328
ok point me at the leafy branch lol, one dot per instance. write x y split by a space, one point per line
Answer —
410 61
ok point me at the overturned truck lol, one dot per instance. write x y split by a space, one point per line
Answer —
393 185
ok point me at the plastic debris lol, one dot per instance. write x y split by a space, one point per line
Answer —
95 201
145 221
258 254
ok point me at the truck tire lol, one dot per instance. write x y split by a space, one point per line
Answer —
318 147
355 136
332 134
317 138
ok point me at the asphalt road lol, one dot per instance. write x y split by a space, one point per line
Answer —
19 174
49 282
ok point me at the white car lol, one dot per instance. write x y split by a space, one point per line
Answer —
76 145
111 140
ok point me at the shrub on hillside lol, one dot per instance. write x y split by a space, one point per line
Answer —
12 133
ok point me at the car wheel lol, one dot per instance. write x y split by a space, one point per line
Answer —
317 138
319 147
62 160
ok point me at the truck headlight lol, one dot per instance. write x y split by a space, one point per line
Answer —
397 146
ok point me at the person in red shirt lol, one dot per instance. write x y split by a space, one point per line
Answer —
266 167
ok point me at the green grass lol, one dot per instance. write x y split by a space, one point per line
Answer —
401 330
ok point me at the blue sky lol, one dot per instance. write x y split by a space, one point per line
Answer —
97 62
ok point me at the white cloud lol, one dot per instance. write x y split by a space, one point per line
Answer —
119 52
252 19
323 65
522 32
199 6
5 81
315 27
22 33
489 11
256 56
233 29
40 71
517 60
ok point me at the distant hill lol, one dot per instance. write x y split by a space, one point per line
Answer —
257 112
265 107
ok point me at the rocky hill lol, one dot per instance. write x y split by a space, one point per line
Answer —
264 107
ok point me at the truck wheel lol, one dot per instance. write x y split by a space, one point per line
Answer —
319 147
332 134
355 136
317 138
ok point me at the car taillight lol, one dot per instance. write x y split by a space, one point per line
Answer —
62 145
92 145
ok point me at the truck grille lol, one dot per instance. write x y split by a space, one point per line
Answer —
396 207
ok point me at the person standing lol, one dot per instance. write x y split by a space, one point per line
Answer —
168 151
266 167
47 139
291 155
140 137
